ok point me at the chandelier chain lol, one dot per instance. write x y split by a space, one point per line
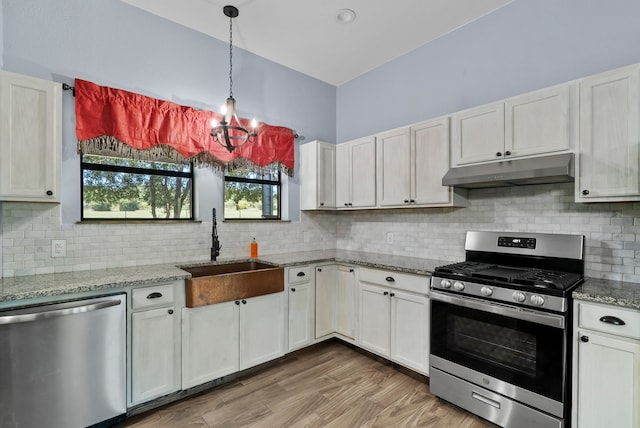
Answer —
230 57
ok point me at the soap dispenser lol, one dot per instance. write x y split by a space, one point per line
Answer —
254 249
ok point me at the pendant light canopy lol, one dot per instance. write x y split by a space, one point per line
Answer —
230 133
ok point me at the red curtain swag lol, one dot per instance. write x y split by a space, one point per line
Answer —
113 122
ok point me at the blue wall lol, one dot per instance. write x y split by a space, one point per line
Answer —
526 45
114 44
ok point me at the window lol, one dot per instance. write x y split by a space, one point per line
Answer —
252 196
126 189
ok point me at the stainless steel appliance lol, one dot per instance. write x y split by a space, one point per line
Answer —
501 327
62 365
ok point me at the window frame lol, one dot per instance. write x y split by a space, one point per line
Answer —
260 181
141 171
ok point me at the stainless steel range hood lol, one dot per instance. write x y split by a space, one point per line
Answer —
518 172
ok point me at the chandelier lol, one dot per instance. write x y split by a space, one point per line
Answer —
230 133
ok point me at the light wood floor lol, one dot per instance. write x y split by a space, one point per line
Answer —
328 385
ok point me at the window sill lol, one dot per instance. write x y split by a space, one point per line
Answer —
253 220
137 221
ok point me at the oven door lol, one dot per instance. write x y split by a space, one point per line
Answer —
516 352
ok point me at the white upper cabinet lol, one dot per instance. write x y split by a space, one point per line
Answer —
540 122
608 162
478 134
536 123
30 138
317 176
411 163
394 170
356 174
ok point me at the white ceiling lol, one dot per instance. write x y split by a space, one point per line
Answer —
306 36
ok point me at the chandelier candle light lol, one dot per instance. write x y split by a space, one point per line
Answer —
230 133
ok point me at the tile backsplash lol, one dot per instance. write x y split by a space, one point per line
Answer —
612 232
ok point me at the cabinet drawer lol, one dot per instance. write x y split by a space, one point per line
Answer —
594 317
151 297
299 274
401 281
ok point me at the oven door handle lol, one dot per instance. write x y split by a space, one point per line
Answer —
551 320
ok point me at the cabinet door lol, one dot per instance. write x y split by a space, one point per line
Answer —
210 340
326 176
608 165
540 122
345 301
30 138
325 298
363 172
343 176
374 319
394 168
301 315
430 162
262 321
153 355
608 382
478 135
410 330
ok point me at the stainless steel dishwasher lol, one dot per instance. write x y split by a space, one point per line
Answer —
62 365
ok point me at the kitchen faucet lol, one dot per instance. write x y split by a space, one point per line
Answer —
215 242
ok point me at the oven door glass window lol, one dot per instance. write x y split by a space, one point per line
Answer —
522 353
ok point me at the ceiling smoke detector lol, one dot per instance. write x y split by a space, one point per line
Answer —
346 16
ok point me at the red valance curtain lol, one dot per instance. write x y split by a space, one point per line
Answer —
113 122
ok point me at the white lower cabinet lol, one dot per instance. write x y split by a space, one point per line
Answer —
301 288
325 277
375 319
227 337
335 301
607 373
394 317
155 342
345 302
409 330
261 329
211 344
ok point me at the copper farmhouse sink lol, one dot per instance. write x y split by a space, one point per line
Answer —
218 283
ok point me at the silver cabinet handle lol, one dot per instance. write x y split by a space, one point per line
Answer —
42 312
154 295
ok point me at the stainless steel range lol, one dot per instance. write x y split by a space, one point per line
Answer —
501 327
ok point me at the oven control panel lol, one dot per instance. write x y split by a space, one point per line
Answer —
513 242
505 295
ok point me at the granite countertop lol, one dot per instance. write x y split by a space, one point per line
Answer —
624 294
619 293
413 265
55 284
45 286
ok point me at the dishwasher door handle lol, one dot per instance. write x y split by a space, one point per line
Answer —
41 312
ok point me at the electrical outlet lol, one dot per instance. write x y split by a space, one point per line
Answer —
58 248
389 238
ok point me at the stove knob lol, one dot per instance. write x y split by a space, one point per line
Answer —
486 291
519 296
458 286
537 300
445 283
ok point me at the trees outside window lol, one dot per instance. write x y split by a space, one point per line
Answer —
252 196
117 188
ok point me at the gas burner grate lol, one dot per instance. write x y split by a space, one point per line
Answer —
464 268
548 279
